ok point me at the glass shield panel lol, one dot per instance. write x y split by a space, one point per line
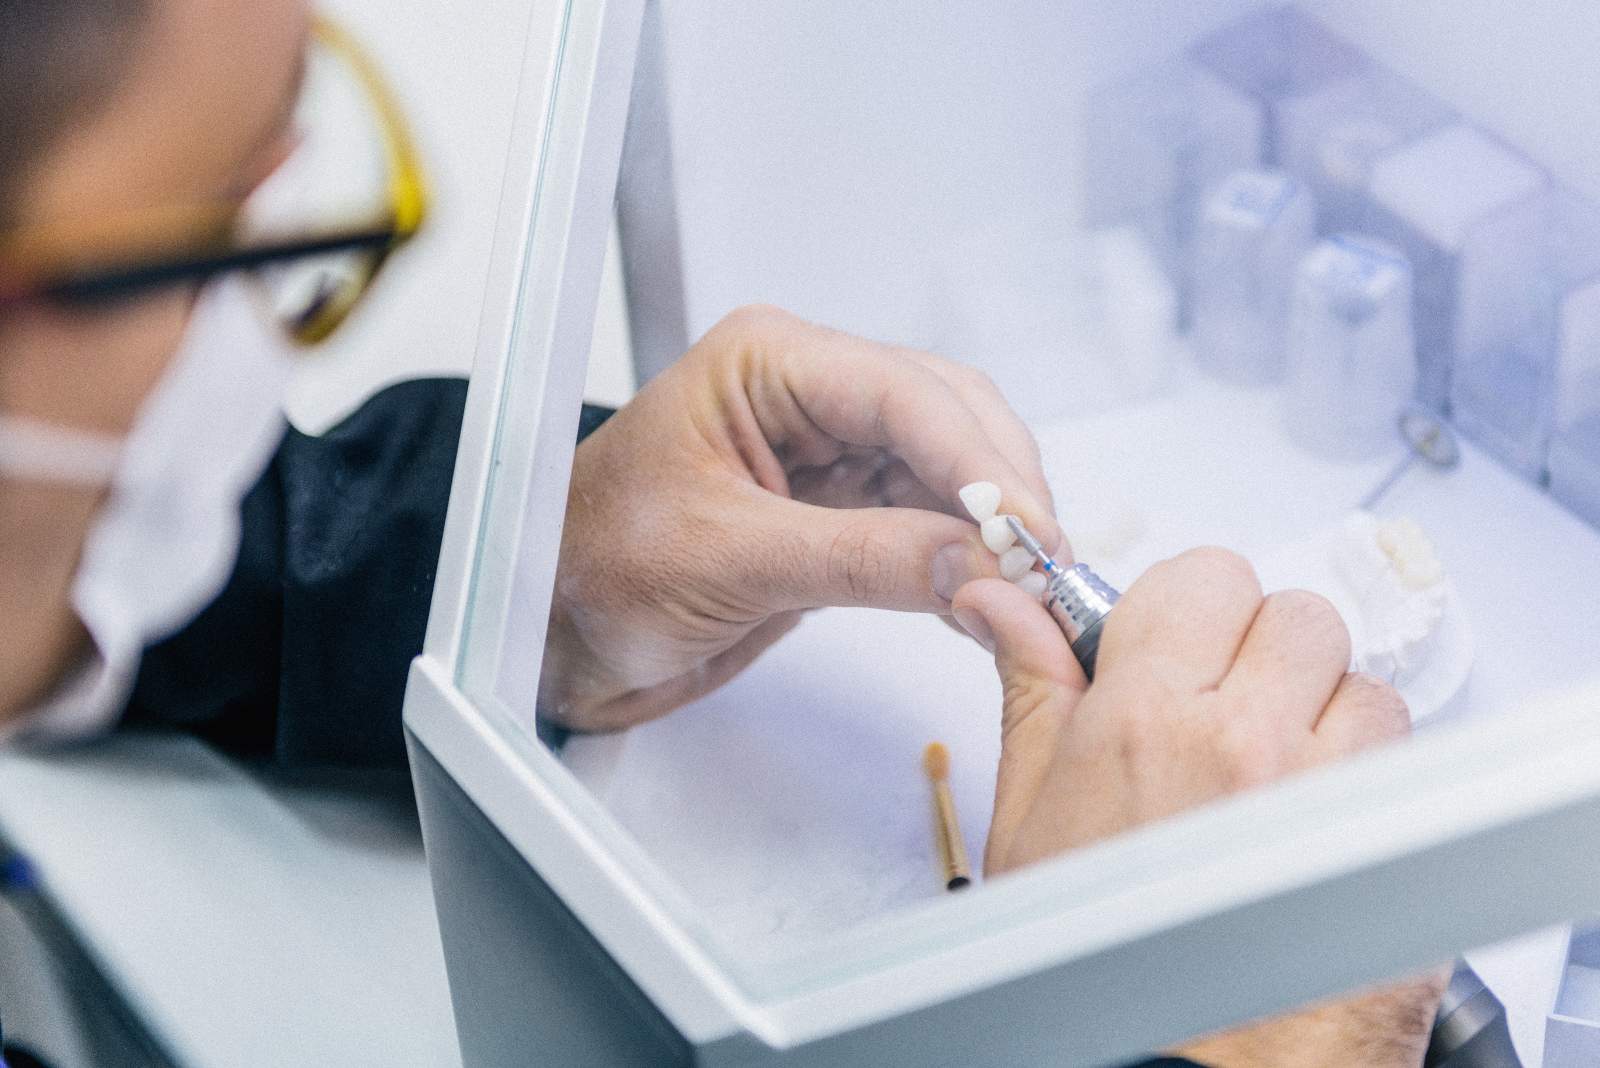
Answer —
1311 283
525 485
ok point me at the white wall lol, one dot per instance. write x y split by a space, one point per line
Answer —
905 170
1528 71
857 162
912 170
455 68
832 156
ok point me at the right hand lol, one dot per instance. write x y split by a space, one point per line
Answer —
1204 688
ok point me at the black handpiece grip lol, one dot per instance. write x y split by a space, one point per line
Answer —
1470 1030
1087 647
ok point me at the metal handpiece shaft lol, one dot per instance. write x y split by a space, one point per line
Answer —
1031 543
1076 598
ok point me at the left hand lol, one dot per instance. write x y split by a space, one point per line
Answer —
778 466
1204 687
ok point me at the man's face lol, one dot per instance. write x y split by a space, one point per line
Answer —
201 114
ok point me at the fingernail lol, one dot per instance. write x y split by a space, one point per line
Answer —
974 624
949 571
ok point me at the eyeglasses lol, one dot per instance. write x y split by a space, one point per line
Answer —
314 235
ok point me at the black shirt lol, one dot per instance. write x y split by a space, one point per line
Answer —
303 657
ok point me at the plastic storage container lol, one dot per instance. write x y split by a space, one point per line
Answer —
1352 358
1572 1030
1530 279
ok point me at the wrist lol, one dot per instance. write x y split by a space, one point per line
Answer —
561 697
577 687
1386 1028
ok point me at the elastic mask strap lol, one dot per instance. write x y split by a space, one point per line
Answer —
43 452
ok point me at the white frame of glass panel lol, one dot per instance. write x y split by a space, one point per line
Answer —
1393 861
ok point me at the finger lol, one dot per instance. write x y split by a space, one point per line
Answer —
868 479
1041 683
864 393
1027 644
904 559
851 481
1293 659
1364 711
653 702
1183 622
901 488
1004 426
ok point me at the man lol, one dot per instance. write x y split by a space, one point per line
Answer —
777 467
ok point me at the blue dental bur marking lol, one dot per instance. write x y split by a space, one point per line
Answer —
1031 543
1076 598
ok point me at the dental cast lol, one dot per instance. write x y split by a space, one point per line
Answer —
1400 585
997 534
982 500
1015 563
1034 585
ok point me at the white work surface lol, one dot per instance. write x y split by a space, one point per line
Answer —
790 805
251 922
246 921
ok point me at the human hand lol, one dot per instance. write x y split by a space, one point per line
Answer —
1202 688
778 466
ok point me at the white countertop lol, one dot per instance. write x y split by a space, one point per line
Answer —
247 921
816 819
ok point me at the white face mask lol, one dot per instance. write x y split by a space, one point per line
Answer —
168 534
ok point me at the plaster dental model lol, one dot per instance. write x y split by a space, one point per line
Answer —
1406 623
1399 585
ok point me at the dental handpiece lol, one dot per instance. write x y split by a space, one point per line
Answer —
1076 598
1470 1030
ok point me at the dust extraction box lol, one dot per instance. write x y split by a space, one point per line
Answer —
1319 283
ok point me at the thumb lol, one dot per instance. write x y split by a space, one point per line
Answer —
906 559
1041 683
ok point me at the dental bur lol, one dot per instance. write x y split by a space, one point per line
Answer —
1077 598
